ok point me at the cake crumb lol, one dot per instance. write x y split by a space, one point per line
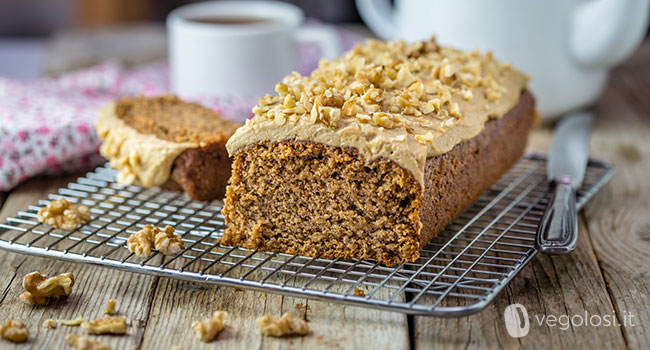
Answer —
14 331
163 240
208 329
106 325
110 307
62 214
72 323
302 308
49 323
84 343
283 326
39 289
358 292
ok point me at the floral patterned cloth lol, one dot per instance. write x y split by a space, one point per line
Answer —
47 125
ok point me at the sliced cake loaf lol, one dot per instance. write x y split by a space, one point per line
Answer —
163 141
375 152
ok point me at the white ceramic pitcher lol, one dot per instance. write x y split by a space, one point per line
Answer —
566 46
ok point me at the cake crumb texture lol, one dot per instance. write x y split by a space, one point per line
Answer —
316 200
172 119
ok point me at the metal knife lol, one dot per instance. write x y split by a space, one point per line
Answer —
567 162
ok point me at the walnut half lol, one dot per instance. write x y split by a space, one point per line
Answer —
207 329
40 288
14 331
283 326
83 343
104 325
62 214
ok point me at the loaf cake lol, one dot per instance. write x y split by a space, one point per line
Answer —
163 141
375 152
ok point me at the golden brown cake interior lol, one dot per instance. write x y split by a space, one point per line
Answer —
316 200
170 118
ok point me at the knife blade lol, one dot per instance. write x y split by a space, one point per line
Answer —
567 163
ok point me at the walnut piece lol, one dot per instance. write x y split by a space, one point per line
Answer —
166 242
283 326
49 323
104 325
358 292
83 343
39 289
29 298
110 307
207 329
62 214
72 323
141 242
14 331
163 240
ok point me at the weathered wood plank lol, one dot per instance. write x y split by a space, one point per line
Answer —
94 286
548 286
618 221
331 325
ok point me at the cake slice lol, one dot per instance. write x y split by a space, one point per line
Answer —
374 153
163 141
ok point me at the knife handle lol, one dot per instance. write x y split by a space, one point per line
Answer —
558 231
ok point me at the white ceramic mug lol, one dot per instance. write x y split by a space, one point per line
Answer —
209 56
566 46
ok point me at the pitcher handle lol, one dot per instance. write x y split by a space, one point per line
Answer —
605 32
378 15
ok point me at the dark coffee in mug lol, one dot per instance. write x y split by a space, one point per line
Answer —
232 20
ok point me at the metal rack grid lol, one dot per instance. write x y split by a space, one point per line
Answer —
459 272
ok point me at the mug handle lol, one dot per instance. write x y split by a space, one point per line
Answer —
324 37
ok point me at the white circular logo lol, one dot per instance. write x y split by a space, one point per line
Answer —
517 322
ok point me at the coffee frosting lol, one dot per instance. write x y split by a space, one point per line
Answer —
399 101
141 159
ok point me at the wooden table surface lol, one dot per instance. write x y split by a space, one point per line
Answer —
609 273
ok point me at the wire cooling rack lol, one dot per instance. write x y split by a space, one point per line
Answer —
459 272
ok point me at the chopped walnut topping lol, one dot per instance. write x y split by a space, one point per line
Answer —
62 214
207 329
84 343
108 324
110 307
14 331
49 323
358 292
72 323
40 288
283 326
424 139
165 241
384 77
